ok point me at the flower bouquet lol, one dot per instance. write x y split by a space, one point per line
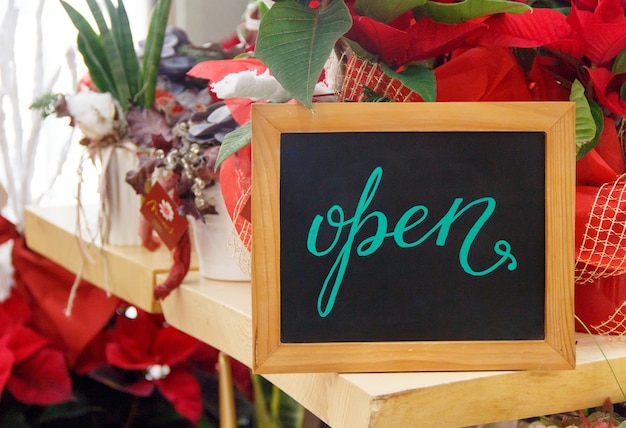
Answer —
150 128
438 51
116 84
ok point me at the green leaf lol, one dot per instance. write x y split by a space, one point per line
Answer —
90 47
585 124
295 41
370 96
120 27
619 64
46 104
598 118
358 50
619 67
98 70
454 13
152 51
386 11
419 79
233 141
263 419
274 408
113 57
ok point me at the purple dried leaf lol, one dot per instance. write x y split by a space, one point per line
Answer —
144 124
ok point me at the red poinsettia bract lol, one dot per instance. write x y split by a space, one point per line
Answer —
31 370
603 31
146 343
606 87
493 72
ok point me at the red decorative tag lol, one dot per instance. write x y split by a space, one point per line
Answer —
160 210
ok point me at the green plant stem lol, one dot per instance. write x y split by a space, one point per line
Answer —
263 419
275 403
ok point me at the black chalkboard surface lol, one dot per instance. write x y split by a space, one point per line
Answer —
422 292
402 237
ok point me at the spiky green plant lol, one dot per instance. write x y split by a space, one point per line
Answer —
109 54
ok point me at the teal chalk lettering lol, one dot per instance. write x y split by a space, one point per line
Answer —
413 217
338 269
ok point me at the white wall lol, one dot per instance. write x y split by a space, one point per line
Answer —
208 20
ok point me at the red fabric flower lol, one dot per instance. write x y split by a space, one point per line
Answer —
30 369
146 343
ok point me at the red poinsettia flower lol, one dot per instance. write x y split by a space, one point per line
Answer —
148 344
387 42
30 369
539 27
603 31
547 79
429 39
604 163
606 87
592 4
483 73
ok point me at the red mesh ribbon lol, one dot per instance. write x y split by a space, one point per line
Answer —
362 74
602 249
601 209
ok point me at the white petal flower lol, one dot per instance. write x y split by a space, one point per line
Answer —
166 210
94 113
248 84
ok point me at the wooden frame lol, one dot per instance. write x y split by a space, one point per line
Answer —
555 351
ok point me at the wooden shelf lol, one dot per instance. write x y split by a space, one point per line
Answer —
219 313
129 272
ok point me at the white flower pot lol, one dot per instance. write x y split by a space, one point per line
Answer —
121 203
221 254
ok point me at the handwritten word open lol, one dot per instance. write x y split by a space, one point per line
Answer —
335 218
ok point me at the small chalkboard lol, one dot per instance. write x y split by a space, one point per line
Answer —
406 237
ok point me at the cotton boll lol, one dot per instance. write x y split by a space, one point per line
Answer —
94 113
247 84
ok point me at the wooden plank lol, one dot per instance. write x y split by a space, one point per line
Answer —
219 313
128 272
216 312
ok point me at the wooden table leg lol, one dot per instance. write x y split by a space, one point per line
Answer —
228 414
